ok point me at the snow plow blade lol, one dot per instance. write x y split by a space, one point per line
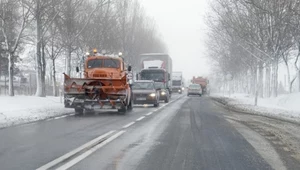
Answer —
96 93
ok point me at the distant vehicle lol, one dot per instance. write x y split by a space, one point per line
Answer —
203 82
105 85
177 82
164 93
194 89
144 92
156 67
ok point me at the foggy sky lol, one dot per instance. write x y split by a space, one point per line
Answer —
182 26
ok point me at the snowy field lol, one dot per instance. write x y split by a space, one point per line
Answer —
285 106
24 109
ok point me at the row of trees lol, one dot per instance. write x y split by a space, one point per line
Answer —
64 30
249 39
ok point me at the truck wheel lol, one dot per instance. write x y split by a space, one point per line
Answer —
167 100
123 110
130 105
78 111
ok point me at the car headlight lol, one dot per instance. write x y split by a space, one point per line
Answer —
179 90
152 95
163 93
182 88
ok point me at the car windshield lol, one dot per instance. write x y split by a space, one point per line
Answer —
143 85
103 63
195 86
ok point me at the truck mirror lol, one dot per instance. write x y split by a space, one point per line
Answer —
77 69
129 68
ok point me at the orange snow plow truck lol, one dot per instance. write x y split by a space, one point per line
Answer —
105 85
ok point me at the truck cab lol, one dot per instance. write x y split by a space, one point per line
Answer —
157 75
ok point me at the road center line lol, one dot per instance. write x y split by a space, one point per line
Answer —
141 118
89 152
75 151
150 113
128 125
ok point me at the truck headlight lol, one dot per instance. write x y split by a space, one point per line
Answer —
163 93
152 95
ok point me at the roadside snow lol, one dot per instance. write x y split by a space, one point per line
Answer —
24 109
285 106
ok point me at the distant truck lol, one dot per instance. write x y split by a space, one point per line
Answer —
156 67
177 82
203 82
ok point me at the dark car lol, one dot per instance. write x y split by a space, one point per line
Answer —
144 92
163 91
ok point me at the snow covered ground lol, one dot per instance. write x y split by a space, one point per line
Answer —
23 109
285 106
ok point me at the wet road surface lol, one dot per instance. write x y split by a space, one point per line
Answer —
188 133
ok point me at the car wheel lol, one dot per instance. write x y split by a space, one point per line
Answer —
156 104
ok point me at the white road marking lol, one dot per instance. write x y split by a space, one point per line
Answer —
129 124
89 152
150 113
141 118
75 151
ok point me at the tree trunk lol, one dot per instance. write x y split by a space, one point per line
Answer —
54 78
275 78
43 69
260 80
289 77
10 75
268 83
39 83
299 80
68 60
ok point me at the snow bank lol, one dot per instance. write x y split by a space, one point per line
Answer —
285 106
23 109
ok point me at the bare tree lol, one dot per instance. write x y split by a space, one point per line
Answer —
14 19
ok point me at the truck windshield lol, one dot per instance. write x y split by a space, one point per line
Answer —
151 75
103 63
143 85
160 85
176 83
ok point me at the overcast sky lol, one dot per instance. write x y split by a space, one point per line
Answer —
181 24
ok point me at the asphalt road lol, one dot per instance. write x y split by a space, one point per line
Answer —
189 133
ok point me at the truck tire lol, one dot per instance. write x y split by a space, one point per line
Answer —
129 107
167 100
79 111
123 110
